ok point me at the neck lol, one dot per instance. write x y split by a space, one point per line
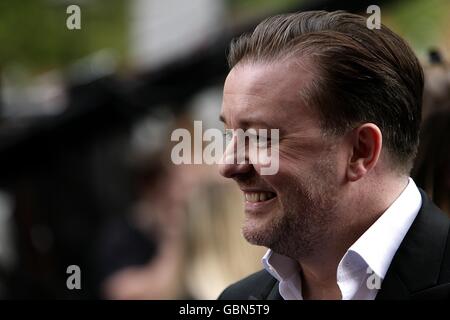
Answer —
319 278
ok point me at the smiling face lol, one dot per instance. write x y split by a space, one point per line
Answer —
293 211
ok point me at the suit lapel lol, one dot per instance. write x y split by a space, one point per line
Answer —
416 265
274 294
268 289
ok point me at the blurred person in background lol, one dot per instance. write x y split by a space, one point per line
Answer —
182 232
437 84
342 217
140 271
432 166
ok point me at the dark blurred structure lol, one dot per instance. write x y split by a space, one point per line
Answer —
58 172
71 183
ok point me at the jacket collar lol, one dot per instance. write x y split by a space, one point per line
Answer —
416 264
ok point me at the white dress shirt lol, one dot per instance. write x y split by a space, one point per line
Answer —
364 265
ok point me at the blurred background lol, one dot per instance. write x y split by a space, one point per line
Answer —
85 123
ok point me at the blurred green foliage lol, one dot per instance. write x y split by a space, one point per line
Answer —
421 22
33 33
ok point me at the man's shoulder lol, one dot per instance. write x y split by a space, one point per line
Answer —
254 287
420 269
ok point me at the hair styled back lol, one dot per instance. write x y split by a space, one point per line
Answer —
360 75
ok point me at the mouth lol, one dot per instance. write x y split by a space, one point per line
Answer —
258 202
258 196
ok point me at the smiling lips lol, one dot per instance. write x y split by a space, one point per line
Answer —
258 196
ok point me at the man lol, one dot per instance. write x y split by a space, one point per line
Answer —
341 217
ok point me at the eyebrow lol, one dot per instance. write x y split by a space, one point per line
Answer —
247 123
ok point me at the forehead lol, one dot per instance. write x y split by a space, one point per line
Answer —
269 93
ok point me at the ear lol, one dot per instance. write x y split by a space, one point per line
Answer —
366 143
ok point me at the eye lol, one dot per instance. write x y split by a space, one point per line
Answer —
263 141
228 135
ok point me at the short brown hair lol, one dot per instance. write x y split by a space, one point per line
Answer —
362 75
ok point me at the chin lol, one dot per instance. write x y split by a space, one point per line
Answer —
259 233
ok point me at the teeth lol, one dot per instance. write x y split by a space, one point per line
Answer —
258 196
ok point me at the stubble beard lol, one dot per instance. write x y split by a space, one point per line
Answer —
306 218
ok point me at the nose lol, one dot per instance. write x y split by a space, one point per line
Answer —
234 170
231 166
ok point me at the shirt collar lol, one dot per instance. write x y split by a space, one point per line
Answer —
379 243
279 266
287 272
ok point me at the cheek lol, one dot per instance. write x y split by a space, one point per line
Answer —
288 177
341 162
296 163
295 166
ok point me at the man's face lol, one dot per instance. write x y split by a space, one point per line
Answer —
293 211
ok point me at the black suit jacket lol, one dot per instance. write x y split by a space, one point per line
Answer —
420 268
